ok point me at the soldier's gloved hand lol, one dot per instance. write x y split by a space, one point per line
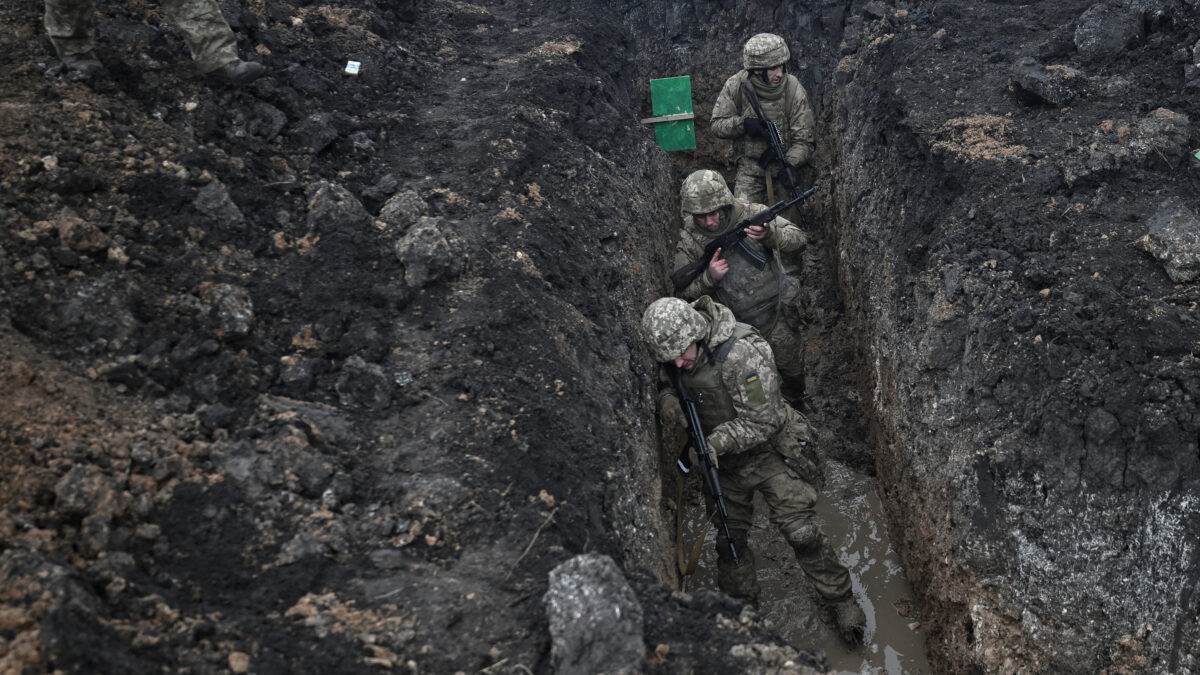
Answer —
669 412
754 127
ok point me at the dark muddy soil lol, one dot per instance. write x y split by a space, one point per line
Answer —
326 374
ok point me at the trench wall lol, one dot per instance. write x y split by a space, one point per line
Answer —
1039 539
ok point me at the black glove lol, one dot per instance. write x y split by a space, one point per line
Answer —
787 175
754 127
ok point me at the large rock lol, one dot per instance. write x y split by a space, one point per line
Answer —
232 307
213 200
1174 238
1053 85
430 252
364 384
403 209
595 618
332 207
1105 30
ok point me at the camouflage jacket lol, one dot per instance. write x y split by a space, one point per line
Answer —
753 295
792 113
752 412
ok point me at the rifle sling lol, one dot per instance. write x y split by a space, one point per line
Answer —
686 563
740 330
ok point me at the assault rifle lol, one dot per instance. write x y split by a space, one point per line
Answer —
776 151
735 237
697 442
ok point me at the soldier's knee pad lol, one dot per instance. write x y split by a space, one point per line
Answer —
805 537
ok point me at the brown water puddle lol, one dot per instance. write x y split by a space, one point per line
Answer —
853 520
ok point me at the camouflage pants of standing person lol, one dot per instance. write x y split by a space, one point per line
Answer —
791 500
69 23
750 187
789 360
760 188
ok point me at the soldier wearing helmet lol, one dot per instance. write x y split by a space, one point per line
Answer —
749 279
785 102
761 443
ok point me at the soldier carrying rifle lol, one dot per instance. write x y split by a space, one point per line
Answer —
758 442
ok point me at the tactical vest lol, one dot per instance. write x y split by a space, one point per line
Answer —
751 293
713 403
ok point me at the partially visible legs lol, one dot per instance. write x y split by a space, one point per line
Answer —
740 581
69 25
788 350
750 188
205 31
791 501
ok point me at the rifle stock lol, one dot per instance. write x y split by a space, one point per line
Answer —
696 441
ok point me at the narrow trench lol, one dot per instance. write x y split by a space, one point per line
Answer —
850 508
853 517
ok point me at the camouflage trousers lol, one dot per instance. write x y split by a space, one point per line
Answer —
755 187
750 187
789 359
69 23
791 500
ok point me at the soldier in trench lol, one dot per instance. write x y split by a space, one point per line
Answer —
69 23
785 102
759 442
764 298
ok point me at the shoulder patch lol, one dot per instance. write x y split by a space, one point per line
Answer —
752 385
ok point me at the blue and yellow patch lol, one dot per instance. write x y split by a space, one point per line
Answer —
755 396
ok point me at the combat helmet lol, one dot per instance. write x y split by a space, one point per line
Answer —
765 50
704 191
670 326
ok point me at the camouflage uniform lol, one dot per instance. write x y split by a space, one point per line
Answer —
756 296
208 36
761 442
786 104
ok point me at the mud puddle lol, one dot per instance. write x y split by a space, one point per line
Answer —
853 520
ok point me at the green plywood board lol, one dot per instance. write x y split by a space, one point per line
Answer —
673 96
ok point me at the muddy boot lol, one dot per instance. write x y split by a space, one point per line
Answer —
83 66
239 72
851 622
739 581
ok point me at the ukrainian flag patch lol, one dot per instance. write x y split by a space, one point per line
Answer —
752 385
